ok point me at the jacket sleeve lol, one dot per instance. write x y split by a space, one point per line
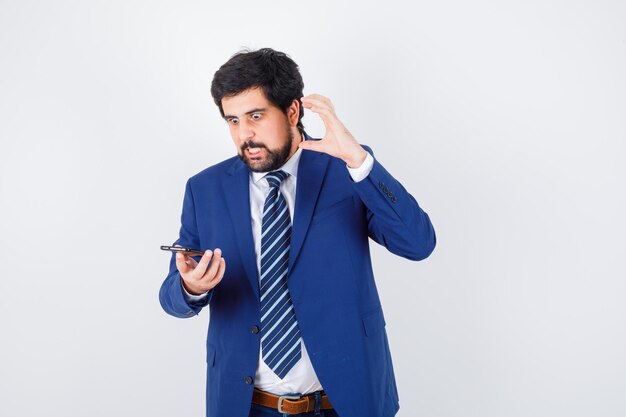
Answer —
395 219
172 293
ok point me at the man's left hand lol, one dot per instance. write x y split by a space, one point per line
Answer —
337 141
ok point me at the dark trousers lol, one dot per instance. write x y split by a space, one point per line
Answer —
260 411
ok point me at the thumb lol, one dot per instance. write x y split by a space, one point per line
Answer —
312 145
182 263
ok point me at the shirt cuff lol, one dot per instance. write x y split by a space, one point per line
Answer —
191 298
360 173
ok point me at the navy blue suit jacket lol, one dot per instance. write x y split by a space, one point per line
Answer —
330 279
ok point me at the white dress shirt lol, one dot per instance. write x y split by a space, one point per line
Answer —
301 378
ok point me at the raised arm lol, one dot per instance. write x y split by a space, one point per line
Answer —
395 220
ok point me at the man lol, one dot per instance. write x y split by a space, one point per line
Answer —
296 325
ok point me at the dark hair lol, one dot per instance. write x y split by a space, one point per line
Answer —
273 71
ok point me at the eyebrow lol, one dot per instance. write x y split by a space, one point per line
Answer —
257 110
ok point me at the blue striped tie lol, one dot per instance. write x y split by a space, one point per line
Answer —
280 340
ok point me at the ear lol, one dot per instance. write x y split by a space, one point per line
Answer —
293 113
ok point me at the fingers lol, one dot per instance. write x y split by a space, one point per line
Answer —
219 274
204 275
202 266
213 275
185 263
324 108
215 263
318 104
318 100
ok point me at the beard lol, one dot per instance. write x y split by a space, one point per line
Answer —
275 159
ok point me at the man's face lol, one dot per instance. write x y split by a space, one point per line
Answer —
262 133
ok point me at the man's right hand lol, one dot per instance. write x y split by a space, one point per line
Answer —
200 277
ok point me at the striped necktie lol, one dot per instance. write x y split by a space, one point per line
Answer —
280 340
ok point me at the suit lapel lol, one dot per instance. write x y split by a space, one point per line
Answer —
311 172
237 191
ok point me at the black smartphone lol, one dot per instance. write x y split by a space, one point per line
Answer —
188 251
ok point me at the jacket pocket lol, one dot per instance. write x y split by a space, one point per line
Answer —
373 323
210 356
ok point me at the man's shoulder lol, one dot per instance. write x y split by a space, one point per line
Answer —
217 171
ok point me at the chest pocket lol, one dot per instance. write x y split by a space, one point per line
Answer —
333 209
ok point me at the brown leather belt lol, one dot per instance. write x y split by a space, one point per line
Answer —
290 404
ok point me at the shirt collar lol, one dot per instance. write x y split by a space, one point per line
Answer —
290 167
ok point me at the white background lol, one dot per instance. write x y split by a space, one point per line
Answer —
506 121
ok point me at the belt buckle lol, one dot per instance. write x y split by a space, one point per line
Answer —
285 397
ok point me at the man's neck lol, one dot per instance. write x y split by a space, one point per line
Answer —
299 137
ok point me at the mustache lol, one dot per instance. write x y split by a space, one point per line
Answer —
251 144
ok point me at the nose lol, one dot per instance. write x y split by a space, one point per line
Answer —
244 131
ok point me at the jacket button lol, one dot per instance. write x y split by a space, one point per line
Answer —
254 329
249 380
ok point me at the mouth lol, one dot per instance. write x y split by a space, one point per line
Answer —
253 152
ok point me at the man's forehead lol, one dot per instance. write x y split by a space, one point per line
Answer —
245 101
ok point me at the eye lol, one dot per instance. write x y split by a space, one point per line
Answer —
256 116
232 120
